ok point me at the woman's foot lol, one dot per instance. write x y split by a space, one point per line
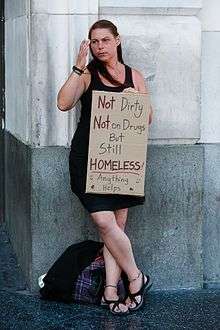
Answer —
137 288
111 299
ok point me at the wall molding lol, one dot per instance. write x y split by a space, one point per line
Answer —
150 7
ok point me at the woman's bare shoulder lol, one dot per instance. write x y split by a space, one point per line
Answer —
137 75
138 80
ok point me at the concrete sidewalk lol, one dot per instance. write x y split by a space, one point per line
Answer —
185 309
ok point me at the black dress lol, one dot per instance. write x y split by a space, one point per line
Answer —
79 154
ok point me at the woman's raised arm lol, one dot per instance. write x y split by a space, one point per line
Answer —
76 83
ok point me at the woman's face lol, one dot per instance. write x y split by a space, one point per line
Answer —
103 44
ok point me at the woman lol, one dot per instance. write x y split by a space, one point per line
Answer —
107 72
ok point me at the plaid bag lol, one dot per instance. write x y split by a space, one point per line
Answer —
89 286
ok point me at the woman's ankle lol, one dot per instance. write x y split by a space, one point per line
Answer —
134 275
110 292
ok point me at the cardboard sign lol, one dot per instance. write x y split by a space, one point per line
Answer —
118 143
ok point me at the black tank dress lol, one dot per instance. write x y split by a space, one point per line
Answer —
78 156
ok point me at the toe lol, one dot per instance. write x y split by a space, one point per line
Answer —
128 302
123 308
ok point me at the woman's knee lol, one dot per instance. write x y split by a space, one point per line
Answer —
121 217
104 220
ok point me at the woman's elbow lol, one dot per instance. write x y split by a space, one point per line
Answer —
150 115
62 106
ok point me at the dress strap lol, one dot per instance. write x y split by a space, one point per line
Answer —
128 77
96 82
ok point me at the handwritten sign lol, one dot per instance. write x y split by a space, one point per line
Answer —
118 143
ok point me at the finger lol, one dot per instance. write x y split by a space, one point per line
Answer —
84 46
130 90
85 42
84 51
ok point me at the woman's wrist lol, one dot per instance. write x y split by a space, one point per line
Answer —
77 69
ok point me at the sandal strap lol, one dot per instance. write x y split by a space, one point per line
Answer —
133 299
139 293
111 286
134 279
115 304
111 301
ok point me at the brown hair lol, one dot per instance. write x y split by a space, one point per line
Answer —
97 65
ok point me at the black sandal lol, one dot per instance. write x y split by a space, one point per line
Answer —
144 288
106 303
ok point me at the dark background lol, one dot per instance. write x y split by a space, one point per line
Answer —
2 111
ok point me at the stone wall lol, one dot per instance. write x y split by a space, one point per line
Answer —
210 138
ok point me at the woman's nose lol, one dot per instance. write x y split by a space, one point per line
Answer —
100 45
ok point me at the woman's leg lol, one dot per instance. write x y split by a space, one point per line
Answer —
118 245
116 241
121 218
113 271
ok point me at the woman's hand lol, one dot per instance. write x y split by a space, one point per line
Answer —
81 60
75 85
130 90
133 90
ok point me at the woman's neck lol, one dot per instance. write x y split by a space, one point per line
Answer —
113 65
115 69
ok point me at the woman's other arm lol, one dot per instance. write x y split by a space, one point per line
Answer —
70 92
75 85
140 86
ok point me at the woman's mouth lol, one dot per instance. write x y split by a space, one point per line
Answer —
102 54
